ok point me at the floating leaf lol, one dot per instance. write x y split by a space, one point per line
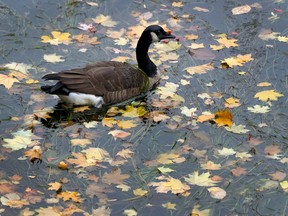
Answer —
20 140
223 118
210 165
238 171
264 84
177 4
34 154
268 95
284 185
168 183
223 40
126 124
226 151
85 39
239 60
140 192
238 129
7 80
81 142
217 193
200 180
200 69
57 38
133 112
69 195
201 9
56 186
114 177
119 134
169 158
53 58
259 109
169 205
241 10
165 170
104 20
232 102
21 67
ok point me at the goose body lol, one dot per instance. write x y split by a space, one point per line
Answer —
109 82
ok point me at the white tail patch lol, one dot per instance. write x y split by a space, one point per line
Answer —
82 99
154 37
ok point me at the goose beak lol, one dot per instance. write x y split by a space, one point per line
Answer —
166 35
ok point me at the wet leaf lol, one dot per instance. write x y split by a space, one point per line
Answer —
121 41
169 158
21 139
239 60
96 155
188 112
223 118
87 27
13 200
177 4
168 183
268 95
264 84
56 186
126 124
165 170
102 211
226 151
232 102
69 195
21 67
201 69
125 153
7 80
134 112
140 192
272 150
53 58
119 134
191 36
201 9
104 20
205 117
130 212
259 109
241 10
114 177
278 176
284 185
224 41
169 205
57 38
85 39
81 142
217 193
210 165
63 166
34 154
203 179
238 129
238 171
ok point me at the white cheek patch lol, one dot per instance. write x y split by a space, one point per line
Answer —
154 37
82 99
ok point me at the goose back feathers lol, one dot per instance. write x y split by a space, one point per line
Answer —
109 82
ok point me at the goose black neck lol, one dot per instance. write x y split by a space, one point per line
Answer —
144 62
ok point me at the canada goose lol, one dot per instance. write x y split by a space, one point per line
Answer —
109 82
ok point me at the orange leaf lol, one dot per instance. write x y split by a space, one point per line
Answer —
34 154
223 118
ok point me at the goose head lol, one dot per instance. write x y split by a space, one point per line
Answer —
155 33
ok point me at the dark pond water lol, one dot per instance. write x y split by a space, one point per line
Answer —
260 153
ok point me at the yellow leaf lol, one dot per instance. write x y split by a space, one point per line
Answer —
32 81
169 205
133 112
104 20
125 153
20 67
191 37
200 69
58 38
53 58
20 140
121 41
67 195
217 192
85 39
140 192
95 155
238 129
81 142
7 81
223 118
268 95
109 122
196 46
239 60
227 42
130 212
170 184
232 102
284 185
210 165
34 154
55 186
264 84
177 4
200 180
169 158
81 109
126 124
205 117
165 170
217 47
115 34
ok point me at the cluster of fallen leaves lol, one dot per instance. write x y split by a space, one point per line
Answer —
122 125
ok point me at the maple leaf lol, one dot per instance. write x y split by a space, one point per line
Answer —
232 102
140 192
157 116
210 165
85 39
205 117
56 186
259 109
165 170
169 205
191 36
69 195
226 151
13 200
119 134
21 139
102 211
53 58
115 177
126 124
200 69
91 124
196 212
223 40
7 80
188 112
125 153
21 67
96 155
278 176
239 60
87 27
53 211
34 154
177 4
238 129
115 34
268 95
239 171
133 112
272 150
109 122
268 34
104 20
57 38
200 180
121 41
81 142
217 192
223 118
169 158
80 160
170 184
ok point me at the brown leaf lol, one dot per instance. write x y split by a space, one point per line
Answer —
67 195
115 177
272 150
278 176
34 154
238 171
